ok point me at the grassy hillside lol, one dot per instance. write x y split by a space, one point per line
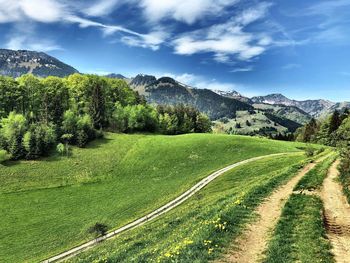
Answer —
255 122
48 206
290 112
202 228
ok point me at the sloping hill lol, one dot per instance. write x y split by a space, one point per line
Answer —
112 181
289 112
15 63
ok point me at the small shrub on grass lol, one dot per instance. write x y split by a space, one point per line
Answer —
98 229
4 156
309 151
321 150
60 148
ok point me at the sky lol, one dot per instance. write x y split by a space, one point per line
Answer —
298 48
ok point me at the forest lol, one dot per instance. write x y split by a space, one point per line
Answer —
38 115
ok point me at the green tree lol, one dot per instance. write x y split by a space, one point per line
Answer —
55 99
203 124
13 130
32 91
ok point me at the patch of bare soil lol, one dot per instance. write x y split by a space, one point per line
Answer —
336 215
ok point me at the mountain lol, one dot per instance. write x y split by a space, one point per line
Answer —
339 106
226 108
115 76
168 91
15 63
234 94
289 112
142 80
229 94
313 107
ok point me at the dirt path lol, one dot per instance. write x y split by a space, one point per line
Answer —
337 215
167 207
249 247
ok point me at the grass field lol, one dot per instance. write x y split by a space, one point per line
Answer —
300 235
48 206
202 228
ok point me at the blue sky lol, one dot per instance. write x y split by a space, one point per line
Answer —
298 48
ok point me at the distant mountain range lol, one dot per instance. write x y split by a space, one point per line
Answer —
168 91
313 107
273 112
15 63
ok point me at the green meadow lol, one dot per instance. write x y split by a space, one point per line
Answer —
202 228
48 205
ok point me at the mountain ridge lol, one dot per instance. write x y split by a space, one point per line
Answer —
15 63
313 107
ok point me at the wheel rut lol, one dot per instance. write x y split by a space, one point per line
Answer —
336 215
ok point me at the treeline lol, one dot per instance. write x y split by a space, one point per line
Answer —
37 114
333 131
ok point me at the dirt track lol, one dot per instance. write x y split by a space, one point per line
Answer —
249 247
337 216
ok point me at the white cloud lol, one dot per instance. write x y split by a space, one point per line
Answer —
24 37
291 66
101 8
227 39
242 69
185 11
45 11
201 82
253 14
25 42
48 11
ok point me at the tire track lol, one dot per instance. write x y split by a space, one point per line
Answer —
336 215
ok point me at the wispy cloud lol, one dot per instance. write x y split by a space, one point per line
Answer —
242 69
291 66
227 39
345 73
50 11
23 36
201 82
333 28
185 11
101 8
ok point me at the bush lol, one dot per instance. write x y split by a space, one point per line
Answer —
98 229
60 148
4 156
13 130
309 151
